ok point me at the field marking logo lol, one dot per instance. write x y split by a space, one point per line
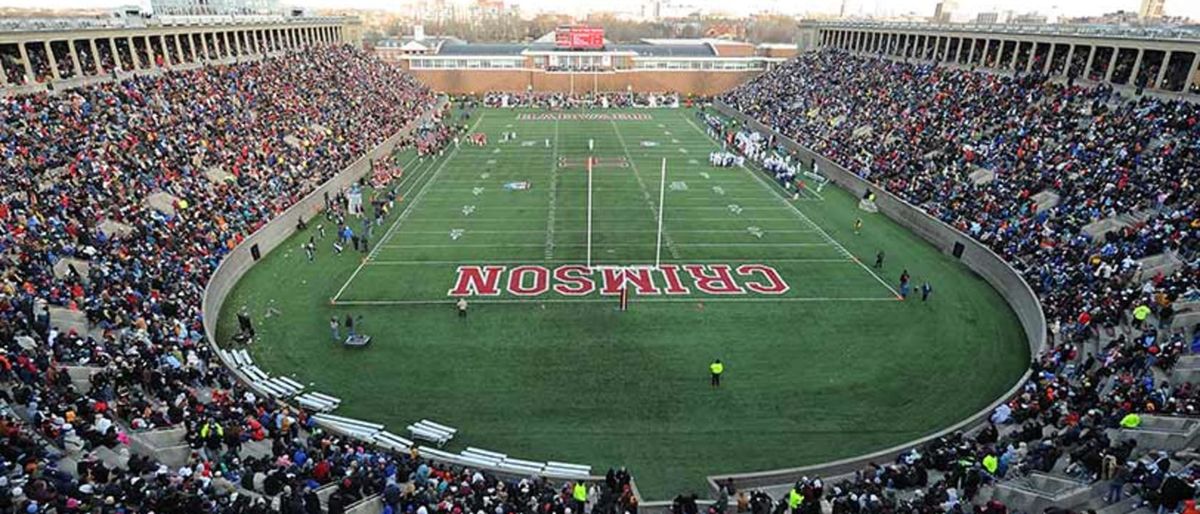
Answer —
575 280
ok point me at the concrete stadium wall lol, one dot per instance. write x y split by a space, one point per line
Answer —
270 235
979 258
703 83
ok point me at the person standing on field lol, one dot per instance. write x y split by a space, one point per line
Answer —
716 368
462 307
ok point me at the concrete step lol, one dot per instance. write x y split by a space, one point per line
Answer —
1036 491
1169 439
164 437
81 376
174 456
257 449
116 459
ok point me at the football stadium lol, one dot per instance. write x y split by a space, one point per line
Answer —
264 260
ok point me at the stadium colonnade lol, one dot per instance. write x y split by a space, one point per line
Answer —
1161 60
37 54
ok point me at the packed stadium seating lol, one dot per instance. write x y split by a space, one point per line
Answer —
119 200
1092 197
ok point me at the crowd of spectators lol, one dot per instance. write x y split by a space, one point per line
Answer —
921 132
229 147
553 100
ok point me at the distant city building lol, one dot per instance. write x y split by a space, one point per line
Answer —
987 18
944 10
1030 18
214 7
1151 9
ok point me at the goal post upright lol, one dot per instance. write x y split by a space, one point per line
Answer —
662 196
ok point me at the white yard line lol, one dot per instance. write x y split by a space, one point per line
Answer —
552 212
583 245
773 190
702 231
645 192
404 214
491 219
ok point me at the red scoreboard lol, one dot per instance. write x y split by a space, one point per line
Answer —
577 37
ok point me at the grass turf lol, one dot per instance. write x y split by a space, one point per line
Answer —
808 379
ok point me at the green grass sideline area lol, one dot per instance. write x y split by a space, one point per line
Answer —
829 367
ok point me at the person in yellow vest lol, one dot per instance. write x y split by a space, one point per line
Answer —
795 499
1131 420
716 368
1139 315
991 464
580 494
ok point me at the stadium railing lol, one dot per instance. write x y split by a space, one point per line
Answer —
977 257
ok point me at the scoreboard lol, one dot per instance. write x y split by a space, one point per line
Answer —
578 37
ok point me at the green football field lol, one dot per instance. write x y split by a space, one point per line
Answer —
822 360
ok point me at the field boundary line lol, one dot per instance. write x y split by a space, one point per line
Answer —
645 192
415 179
404 214
806 219
612 299
581 262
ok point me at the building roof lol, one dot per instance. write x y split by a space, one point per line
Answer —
688 50
663 50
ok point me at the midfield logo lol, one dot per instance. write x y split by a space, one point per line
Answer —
578 280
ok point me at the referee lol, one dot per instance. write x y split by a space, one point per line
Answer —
716 368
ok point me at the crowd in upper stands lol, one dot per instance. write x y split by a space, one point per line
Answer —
148 182
923 133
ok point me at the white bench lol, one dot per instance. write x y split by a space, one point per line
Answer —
357 428
487 454
477 461
392 441
566 470
254 374
242 357
523 466
318 402
435 454
286 389
271 388
430 431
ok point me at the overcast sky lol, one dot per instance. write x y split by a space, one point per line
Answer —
1189 8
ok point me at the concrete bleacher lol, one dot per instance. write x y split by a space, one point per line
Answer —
67 320
112 229
162 202
1046 200
166 445
1187 315
981 176
1036 491
63 267
1165 263
1161 432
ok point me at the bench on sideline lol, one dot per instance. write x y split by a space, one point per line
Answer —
430 431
